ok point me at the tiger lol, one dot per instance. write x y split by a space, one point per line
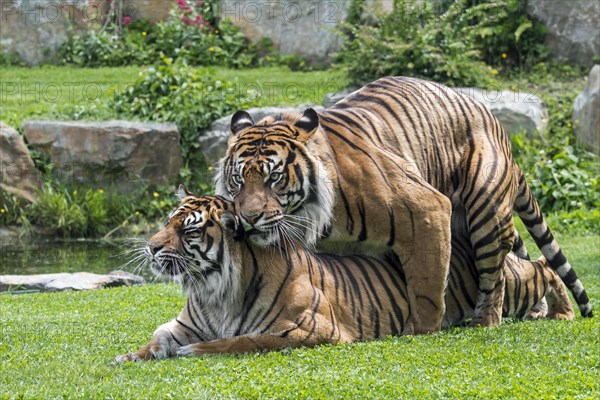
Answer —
384 169
243 297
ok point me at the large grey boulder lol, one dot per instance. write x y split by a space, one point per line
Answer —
586 112
67 281
213 144
34 30
304 28
113 153
17 171
573 32
332 98
516 111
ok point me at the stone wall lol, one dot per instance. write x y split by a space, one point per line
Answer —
35 29
573 32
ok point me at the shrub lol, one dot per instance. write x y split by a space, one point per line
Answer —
189 97
450 42
190 32
562 176
413 41
77 212
11 209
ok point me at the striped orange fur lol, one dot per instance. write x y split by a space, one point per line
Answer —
382 170
245 298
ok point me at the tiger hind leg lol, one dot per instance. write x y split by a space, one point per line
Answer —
487 196
540 310
528 209
559 304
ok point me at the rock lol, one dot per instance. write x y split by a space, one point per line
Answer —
35 30
586 112
67 281
151 10
332 98
120 153
516 111
213 143
17 171
303 28
573 32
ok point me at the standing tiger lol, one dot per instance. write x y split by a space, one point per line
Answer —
384 168
244 297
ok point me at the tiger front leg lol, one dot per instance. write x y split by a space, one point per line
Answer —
254 343
424 247
315 328
163 344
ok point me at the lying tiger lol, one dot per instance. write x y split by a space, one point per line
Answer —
245 298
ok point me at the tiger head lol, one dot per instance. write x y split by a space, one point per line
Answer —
275 171
197 244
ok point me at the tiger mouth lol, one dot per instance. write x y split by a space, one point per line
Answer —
166 266
264 235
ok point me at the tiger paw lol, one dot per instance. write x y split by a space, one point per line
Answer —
483 323
130 357
189 350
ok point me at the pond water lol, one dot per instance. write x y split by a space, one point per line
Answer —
19 257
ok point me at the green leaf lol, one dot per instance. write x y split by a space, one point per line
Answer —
522 28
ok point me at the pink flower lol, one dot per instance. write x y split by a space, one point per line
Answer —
186 20
184 5
126 20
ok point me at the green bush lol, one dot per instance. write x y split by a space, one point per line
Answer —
191 32
80 212
450 42
189 97
562 176
11 209
414 41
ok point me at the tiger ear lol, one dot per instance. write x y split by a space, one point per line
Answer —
232 226
307 125
239 121
181 193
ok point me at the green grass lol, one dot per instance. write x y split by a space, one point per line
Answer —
63 345
49 91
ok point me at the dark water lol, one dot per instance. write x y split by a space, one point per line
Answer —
19 257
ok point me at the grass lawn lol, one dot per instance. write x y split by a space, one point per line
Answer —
45 92
63 345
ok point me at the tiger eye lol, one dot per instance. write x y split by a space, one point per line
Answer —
275 176
237 179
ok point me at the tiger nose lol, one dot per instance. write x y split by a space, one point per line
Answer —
251 217
154 248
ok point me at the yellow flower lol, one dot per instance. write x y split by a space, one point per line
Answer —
144 33
155 194
2 210
216 31
100 191
211 49
494 72
137 213
210 167
504 55
74 192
